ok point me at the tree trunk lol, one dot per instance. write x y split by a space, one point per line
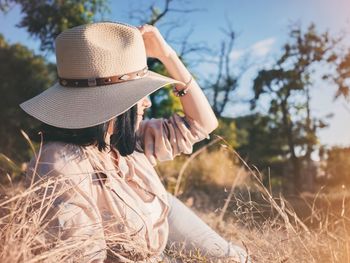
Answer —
309 174
288 129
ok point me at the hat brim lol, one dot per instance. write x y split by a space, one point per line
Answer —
75 108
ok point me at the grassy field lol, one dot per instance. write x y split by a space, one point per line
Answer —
225 193
229 196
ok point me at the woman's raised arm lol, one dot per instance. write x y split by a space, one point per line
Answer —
194 103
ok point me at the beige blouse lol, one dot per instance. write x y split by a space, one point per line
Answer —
112 204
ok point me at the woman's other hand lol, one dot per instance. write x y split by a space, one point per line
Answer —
156 46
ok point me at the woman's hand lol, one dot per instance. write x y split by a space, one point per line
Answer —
156 46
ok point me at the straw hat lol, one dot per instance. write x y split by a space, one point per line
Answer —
102 69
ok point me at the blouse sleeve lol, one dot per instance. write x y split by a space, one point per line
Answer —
71 217
162 139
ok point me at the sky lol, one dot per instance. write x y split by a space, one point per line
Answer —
261 27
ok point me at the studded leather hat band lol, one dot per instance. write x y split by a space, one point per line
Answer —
92 82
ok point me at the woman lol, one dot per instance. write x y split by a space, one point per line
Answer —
108 197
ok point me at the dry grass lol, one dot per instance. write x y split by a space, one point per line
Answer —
243 211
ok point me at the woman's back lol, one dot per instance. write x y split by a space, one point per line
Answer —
119 199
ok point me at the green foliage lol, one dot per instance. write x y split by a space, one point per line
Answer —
164 102
259 141
227 130
4 5
342 78
338 165
46 19
23 76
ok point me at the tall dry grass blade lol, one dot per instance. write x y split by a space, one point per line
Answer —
37 157
25 135
10 179
342 213
188 161
7 159
265 191
228 200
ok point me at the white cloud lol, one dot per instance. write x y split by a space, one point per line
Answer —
262 47
258 49
236 54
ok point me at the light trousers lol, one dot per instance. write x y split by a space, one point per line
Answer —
186 228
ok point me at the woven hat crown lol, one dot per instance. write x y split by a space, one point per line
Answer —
99 50
101 64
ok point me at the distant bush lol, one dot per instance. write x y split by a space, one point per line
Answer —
217 167
338 165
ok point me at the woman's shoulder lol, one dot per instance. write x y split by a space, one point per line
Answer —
56 152
56 157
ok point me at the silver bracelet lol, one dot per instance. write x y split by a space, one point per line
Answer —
183 92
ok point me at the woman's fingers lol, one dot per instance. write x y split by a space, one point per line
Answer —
142 27
146 28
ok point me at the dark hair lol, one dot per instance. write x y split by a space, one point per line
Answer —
123 138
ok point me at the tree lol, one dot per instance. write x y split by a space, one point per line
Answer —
288 85
226 82
260 141
23 76
46 19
